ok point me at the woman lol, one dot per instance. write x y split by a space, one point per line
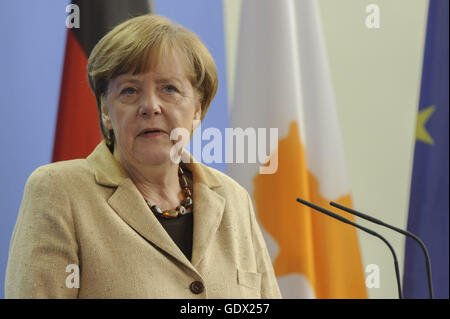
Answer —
130 221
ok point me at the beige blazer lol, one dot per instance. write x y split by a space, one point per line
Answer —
87 214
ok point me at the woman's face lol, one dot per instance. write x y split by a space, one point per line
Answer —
162 99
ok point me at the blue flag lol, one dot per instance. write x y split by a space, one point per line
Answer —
428 208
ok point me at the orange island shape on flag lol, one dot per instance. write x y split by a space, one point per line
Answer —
323 250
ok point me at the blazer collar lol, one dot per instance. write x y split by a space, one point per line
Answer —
107 171
130 205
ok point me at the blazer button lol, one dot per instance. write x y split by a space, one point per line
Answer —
197 287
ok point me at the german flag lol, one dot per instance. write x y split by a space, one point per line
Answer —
77 129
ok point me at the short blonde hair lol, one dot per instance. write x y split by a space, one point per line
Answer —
136 45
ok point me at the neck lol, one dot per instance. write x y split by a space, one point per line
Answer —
159 184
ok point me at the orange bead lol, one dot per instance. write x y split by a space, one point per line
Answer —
170 213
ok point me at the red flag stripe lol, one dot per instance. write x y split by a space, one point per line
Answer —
77 130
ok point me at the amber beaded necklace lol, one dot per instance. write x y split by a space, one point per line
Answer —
185 206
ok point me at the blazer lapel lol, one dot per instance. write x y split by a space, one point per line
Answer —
208 212
132 208
208 208
129 204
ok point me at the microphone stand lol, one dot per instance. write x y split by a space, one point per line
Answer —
344 220
401 231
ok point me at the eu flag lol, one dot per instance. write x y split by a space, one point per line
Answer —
429 209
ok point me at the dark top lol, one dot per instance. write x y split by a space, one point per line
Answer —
181 230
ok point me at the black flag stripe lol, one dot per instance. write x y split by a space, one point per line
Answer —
98 17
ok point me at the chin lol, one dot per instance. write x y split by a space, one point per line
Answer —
154 156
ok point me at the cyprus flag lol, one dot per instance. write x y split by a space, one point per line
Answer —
282 81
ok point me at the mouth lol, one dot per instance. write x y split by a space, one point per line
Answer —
151 132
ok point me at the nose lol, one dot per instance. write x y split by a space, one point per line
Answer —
151 105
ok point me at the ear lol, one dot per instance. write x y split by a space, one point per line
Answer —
105 115
198 111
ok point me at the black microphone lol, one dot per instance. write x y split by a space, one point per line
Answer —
401 231
345 220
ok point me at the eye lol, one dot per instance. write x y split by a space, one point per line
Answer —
128 91
170 88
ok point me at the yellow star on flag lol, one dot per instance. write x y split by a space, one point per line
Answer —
422 118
